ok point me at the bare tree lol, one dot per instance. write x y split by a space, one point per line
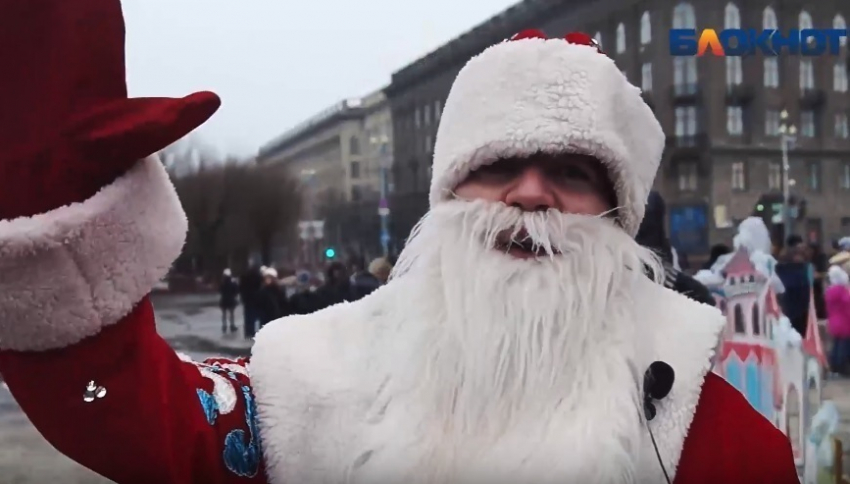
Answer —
271 205
203 194
234 207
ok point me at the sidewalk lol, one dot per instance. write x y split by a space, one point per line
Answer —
193 323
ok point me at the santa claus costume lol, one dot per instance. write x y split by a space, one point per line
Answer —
469 366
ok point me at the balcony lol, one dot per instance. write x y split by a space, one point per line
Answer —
685 93
740 95
812 98
686 147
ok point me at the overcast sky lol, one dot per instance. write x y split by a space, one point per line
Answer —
277 62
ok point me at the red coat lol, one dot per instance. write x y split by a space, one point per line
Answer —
152 426
74 311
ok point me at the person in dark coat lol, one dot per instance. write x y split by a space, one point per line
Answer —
652 235
717 251
336 289
249 288
228 292
272 303
363 282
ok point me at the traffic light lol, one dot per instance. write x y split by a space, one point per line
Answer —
330 253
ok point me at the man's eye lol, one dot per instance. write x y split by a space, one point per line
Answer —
497 170
573 173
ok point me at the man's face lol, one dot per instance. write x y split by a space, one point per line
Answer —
568 183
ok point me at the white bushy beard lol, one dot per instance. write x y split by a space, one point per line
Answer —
527 369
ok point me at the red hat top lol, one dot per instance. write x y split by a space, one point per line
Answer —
67 126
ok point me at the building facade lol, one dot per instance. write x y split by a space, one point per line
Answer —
341 156
721 115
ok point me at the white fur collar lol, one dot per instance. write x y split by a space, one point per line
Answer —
316 378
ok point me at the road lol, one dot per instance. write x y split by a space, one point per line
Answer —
190 323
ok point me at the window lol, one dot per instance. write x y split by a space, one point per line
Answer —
768 19
426 115
646 77
740 325
734 119
686 121
771 123
774 176
845 225
354 146
684 16
807 124
756 320
621 38
805 20
429 145
739 176
732 17
438 110
356 193
771 72
841 126
839 23
598 38
839 75
813 176
845 176
417 118
807 74
684 70
688 176
645 29
734 71
355 169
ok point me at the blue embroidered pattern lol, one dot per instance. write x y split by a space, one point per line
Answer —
242 454
243 459
209 404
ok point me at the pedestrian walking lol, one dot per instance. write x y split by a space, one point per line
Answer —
249 288
271 300
228 292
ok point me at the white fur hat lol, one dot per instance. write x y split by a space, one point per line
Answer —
532 94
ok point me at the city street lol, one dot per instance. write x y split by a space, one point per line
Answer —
192 324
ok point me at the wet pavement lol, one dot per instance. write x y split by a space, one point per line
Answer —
191 324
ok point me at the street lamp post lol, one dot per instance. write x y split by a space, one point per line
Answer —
788 133
308 177
381 144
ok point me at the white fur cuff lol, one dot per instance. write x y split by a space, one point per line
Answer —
67 273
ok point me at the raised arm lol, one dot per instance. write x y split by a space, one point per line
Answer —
80 353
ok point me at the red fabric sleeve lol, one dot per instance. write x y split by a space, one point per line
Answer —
161 419
730 442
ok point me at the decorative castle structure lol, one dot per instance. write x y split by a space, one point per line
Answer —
761 354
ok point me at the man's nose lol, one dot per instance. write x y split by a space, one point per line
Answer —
530 191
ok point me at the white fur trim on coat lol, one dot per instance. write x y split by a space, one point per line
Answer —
67 273
526 96
318 380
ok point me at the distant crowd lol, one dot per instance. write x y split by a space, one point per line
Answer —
266 295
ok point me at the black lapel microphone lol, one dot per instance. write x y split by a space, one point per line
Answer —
657 383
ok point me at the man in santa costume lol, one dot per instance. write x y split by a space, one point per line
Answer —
511 345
